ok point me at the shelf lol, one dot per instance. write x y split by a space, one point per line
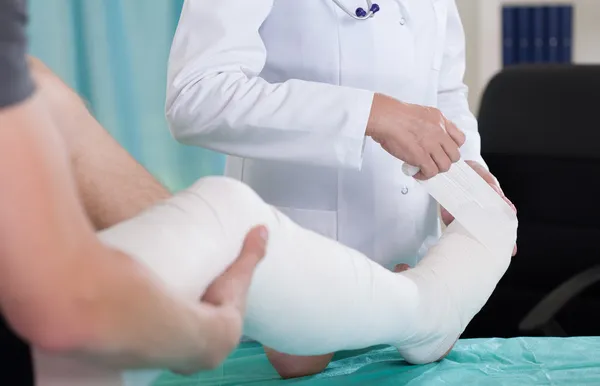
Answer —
485 37
534 2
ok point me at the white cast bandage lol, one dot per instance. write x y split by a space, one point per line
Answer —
311 295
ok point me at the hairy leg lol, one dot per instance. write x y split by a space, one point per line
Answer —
112 185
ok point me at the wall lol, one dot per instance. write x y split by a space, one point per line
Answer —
114 54
469 10
587 31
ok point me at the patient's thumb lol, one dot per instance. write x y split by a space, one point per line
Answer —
253 249
231 288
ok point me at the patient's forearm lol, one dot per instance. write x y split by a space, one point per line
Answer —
133 321
108 308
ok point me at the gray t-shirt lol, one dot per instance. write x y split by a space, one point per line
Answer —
15 86
15 81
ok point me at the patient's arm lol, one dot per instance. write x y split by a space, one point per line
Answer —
65 292
60 288
311 295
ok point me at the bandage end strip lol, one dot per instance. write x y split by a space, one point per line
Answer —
474 204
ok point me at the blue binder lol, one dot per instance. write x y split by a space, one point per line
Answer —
524 35
509 26
540 51
554 35
566 34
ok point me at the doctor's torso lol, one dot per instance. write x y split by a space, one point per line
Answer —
376 210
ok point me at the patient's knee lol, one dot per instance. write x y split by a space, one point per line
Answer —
291 366
236 205
234 195
37 67
57 94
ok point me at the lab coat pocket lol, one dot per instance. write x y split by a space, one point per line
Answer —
323 222
440 9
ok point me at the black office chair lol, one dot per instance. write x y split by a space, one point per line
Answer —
540 129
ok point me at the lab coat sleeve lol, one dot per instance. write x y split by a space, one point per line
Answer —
216 98
452 92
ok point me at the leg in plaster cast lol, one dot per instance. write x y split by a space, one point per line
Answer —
349 302
312 296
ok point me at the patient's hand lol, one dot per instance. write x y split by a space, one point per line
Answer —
447 218
226 299
231 288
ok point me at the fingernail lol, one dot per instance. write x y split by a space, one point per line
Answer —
264 234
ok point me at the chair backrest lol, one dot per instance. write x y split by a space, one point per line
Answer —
540 129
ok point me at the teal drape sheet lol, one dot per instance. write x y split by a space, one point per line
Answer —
482 362
114 53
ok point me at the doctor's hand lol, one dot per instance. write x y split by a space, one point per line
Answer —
420 136
447 218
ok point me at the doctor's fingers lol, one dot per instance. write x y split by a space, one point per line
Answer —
451 149
399 268
441 159
427 169
455 133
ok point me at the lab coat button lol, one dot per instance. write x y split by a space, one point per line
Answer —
404 190
402 21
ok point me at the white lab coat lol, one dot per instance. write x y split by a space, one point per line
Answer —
285 87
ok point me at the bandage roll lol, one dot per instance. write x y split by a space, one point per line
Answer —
474 204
